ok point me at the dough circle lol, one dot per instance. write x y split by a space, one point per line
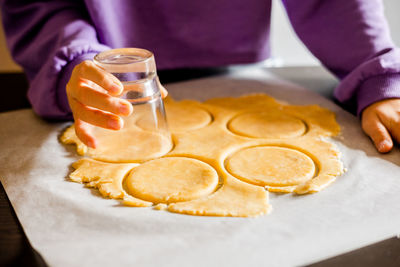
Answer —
128 145
267 125
172 179
184 116
271 166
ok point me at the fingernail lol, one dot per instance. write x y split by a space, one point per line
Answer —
164 93
115 88
124 109
91 144
384 145
114 124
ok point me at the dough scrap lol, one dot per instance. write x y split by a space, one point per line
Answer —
107 177
250 145
235 199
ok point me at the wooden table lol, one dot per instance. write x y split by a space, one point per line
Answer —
16 250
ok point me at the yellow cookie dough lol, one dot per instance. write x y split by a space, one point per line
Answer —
129 145
172 179
235 198
178 119
228 153
273 166
107 177
267 125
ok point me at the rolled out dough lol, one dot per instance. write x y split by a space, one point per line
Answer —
228 153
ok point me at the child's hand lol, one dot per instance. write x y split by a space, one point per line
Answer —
381 121
90 93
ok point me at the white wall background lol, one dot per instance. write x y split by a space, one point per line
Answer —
287 50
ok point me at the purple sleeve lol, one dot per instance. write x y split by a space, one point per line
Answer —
351 38
48 39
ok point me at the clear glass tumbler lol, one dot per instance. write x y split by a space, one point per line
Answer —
145 133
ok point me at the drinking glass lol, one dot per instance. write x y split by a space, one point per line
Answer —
145 133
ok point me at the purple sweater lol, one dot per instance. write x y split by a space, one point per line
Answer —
48 38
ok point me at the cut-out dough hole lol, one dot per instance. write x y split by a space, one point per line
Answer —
267 125
271 166
172 179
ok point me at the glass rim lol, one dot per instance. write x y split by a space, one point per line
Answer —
145 55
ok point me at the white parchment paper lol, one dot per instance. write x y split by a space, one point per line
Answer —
74 226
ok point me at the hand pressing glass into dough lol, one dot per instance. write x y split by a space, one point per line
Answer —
381 122
92 95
